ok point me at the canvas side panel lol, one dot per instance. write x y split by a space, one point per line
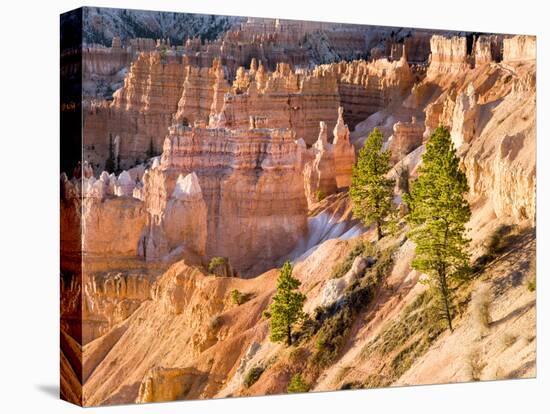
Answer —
70 206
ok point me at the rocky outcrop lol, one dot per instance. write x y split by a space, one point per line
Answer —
273 41
406 137
328 167
488 48
139 114
500 164
449 55
520 48
109 298
169 384
99 217
185 216
320 172
465 117
176 219
252 185
367 87
344 152
283 99
203 92
333 289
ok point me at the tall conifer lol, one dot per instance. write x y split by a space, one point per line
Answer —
438 215
371 191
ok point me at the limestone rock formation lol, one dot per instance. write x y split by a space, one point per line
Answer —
110 298
285 99
320 172
519 48
465 117
488 48
448 55
168 384
344 152
203 91
185 216
251 183
176 219
328 167
367 87
406 137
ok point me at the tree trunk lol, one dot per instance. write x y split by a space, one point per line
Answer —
445 294
379 230
288 336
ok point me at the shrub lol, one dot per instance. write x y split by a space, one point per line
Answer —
332 337
219 266
343 267
353 385
237 297
532 284
475 364
320 195
298 355
252 376
383 263
507 340
297 384
481 303
216 322
411 335
403 178
502 238
336 320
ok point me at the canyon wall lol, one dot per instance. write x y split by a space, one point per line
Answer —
139 114
449 55
252 185
284 99
367 87
520 48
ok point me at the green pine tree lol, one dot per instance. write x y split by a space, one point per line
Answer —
286 308
438 213
371 191
297 385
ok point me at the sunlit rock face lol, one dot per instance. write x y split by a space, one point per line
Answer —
283 99
139 113
520 48
243 147
367 87
328 167
406 137
176 218
252 185
448 55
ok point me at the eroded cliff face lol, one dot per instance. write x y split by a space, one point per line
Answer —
520 48
249 170
367 87
500 164
448 55
283 99
139 114
490 111
252 185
